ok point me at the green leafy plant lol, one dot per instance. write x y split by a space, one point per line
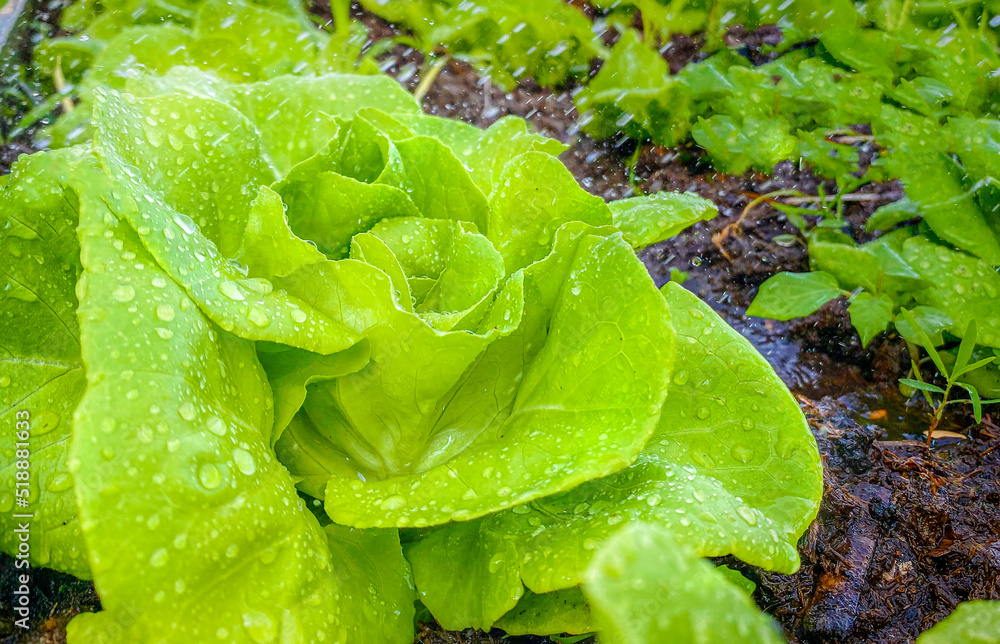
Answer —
959 368
509 40
800 104
300 354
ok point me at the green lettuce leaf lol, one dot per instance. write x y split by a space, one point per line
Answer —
562 611
977 143
154 201
268 247
468 550
42 372
535 195
439 184
258 42
735 147
495 148
169 143
131 52
876 266
810 92
290 371
826 158
737 579
452 274
182 503
646 586
367 176
247 42
972 622
379 421
329 201
484 153
296 116
379 595
652 218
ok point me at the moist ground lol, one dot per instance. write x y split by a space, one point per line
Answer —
904 533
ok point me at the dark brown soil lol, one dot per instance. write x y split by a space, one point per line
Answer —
55 599
432 634
905 532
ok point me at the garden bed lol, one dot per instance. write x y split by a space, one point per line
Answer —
905 532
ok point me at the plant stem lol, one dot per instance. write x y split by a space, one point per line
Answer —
938 413
633 161
856 197
428 79
341 10
720 236
903 14
60 82
938 410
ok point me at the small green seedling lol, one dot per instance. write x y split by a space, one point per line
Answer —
951 376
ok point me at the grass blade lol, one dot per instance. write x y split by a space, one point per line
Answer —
974 366
965 349
921 385
977 405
